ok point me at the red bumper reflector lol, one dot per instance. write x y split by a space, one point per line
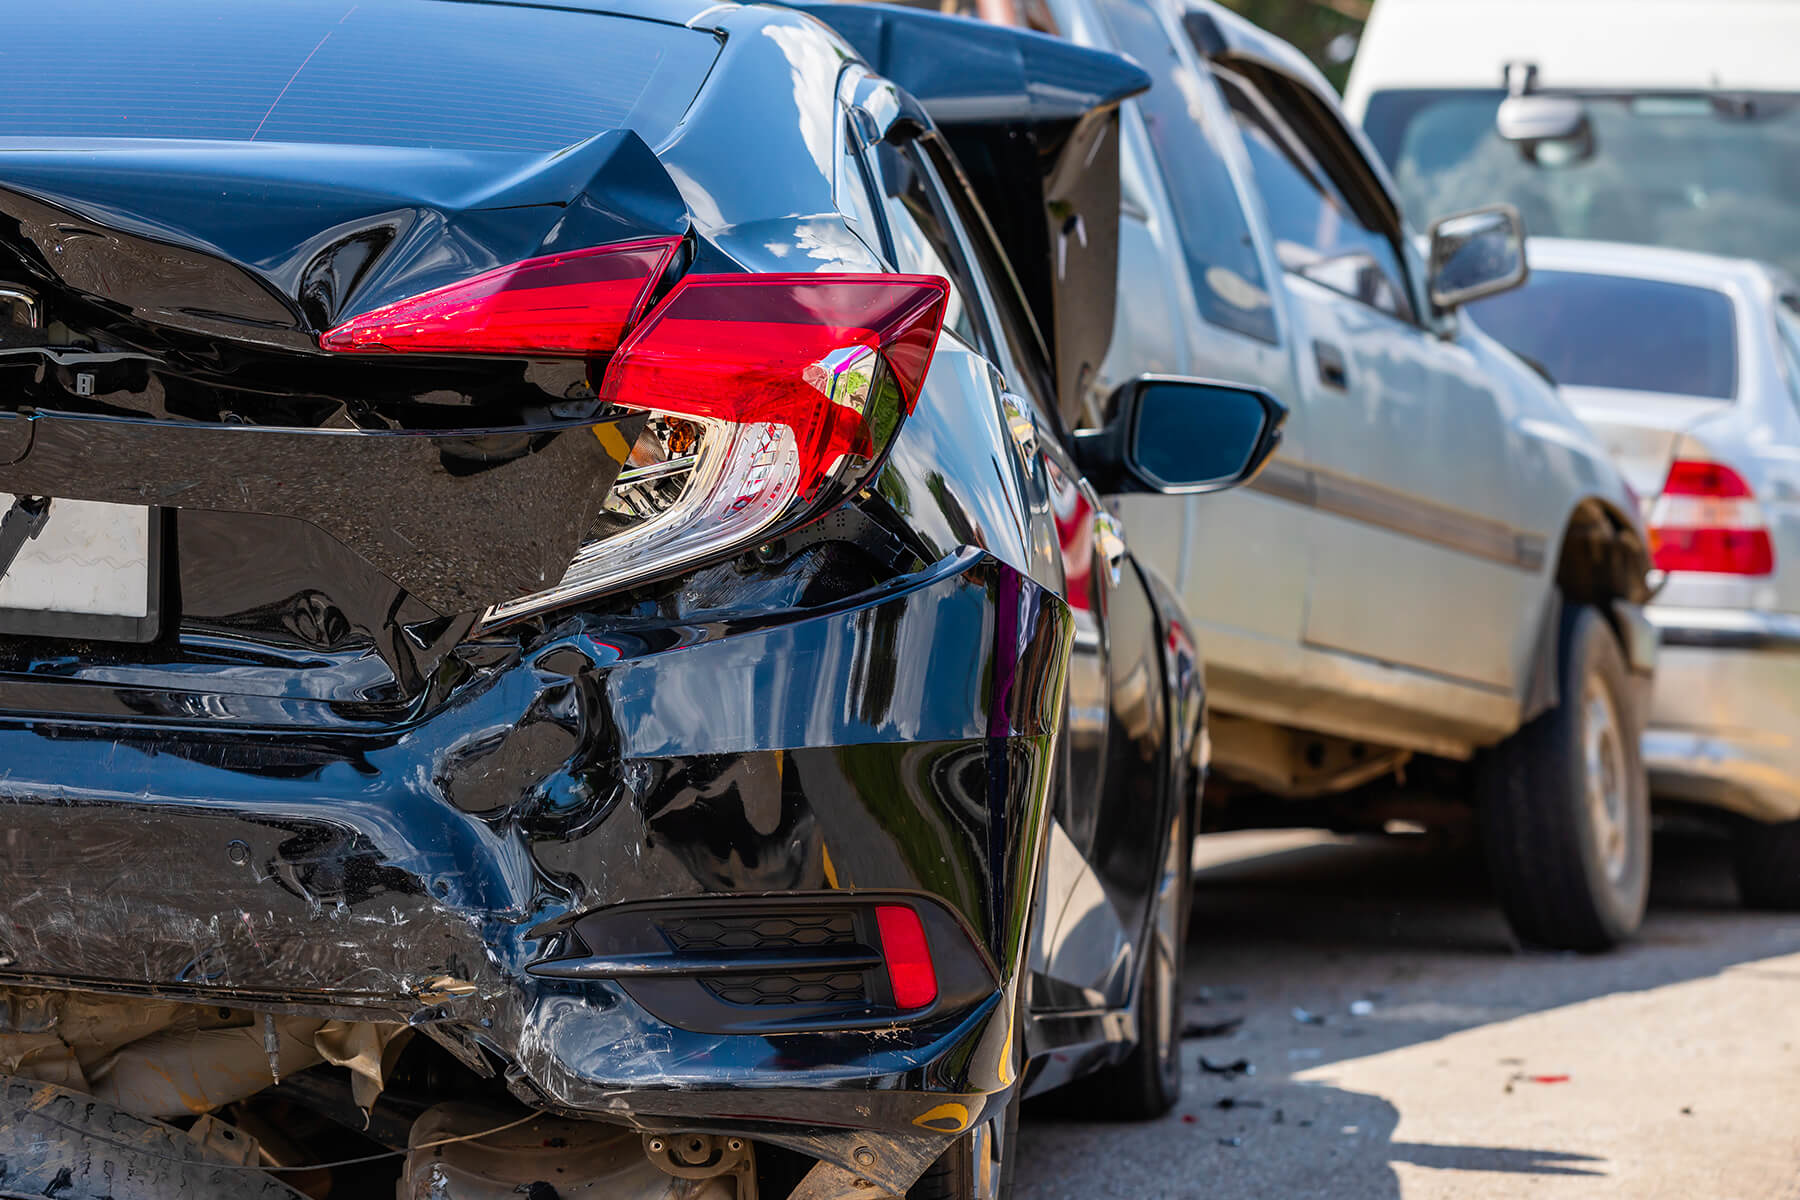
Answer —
909 967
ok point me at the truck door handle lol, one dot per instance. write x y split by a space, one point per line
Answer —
1332 371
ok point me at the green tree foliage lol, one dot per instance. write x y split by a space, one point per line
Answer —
1313 26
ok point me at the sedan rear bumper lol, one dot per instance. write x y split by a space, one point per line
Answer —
896 744
1725 720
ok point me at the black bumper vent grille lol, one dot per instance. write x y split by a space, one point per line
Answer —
773 933
760 931
843 988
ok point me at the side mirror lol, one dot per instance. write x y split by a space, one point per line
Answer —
1476 254
1178 436
1550 131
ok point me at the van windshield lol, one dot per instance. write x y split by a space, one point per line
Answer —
1695 171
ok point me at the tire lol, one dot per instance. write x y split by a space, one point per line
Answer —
1766 861
978 1166
57 1142
1564 804
1147 1083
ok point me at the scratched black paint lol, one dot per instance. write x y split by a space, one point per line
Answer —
320 791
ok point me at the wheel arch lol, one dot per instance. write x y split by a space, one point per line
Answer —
1601 560
1184 681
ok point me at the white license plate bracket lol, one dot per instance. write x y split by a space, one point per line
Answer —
93 572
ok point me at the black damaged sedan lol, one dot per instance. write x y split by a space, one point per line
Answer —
556 638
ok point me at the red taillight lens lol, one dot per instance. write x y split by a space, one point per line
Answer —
768 394
576 304
1690 478
1707 519
793 350
908 957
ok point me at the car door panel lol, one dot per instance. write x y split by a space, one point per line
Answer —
1194 300
1413 558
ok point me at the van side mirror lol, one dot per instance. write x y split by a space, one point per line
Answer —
1179 436
1476 254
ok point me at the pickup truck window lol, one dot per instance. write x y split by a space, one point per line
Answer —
1317 232
1209 217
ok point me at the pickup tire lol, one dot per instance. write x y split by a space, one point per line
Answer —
1766 861
1564 804
61 1143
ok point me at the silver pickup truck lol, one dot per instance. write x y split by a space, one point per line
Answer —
1433 593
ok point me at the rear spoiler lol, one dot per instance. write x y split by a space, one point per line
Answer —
1016 105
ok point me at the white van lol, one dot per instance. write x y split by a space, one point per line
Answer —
1670 122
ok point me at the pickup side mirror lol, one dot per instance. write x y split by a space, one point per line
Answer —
1476 254
1178 436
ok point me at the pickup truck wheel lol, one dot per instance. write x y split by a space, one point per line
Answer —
1564 804
57 1142
1766 861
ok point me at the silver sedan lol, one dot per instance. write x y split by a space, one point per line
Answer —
1687 367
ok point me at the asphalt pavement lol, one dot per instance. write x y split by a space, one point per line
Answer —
1403 1045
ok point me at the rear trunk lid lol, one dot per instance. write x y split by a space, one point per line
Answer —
1640 430
184 209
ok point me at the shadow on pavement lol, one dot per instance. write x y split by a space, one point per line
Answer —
1334 949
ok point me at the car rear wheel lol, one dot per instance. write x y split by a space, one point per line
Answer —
1766 861
57 1142
1564 803
978 1166
1147 1083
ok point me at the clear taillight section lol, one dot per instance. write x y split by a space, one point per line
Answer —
768 395
1707 519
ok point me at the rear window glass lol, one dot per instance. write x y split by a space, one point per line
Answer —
1610 332
1215 236
414 73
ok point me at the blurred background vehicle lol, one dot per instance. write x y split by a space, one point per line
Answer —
1687 366
1665 122
1433 590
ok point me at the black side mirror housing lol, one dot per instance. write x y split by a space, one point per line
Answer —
1180 436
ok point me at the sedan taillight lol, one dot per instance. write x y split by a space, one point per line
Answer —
1707 519
577 304
768 395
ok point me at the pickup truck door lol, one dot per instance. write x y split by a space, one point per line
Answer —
1415 559
1195 299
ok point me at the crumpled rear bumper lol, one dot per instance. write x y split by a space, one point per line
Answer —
898 741
1725 720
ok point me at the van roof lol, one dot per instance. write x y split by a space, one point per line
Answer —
1735 44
